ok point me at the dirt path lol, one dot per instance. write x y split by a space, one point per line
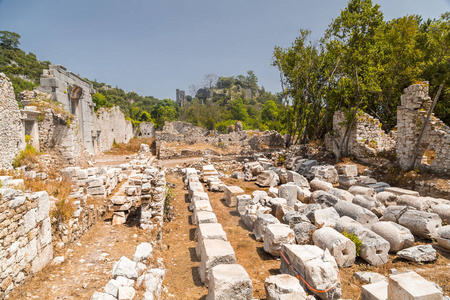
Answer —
249 252
182 278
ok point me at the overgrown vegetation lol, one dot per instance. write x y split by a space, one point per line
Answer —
355 240
362 63
26 156
64 210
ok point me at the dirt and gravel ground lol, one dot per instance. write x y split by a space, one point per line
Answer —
89 261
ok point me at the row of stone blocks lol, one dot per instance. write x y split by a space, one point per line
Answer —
218 268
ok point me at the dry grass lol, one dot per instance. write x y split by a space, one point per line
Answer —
131 147
60 189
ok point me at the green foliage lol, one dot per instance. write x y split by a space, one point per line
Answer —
355 240
238 111
9 39
361 63
165 110
100 101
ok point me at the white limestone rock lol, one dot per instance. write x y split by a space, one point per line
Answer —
125 267
277 285
143 252
420 253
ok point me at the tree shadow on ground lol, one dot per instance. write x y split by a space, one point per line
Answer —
186 198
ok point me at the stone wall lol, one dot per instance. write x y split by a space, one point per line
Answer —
25 236
59 131
74 93
146 130
434 153
109 126
366 138
12 139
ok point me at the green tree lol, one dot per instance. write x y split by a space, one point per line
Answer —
9 40
238 111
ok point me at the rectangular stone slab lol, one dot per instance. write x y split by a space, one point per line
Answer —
230 194
412 286
229 281
375 291
213 253
213 231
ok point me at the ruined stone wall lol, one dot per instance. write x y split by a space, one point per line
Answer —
110 125
366 138
56 132
11 138
147 130
434 153
74 93
25 236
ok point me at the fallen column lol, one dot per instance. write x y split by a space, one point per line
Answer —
398 236
342 248
374 248
443 237
356 212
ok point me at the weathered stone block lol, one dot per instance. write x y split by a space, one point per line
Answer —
276 235
213 253
229 281
231 192
212 231
412 286
277 285
316 266
375 291
261 223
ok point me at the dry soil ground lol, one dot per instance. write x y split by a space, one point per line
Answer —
85 270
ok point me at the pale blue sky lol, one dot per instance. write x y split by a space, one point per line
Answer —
156 46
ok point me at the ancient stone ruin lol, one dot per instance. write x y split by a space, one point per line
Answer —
211 215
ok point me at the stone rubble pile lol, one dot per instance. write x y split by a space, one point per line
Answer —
345 206
128 276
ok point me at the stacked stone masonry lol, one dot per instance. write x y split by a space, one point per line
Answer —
12 139
434 152
25 236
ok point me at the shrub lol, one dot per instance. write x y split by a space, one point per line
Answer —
27 155
355 240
